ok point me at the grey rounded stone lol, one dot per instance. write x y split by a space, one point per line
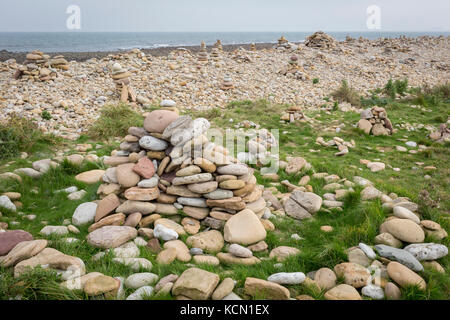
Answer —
196 251
152 143
240 251
399 255
193 202
84 213
287 277
164 233
219 194
427 251
137 280
372 291
148 183
368 251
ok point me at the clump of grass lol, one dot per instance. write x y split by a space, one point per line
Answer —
46 115
114 121
345 93
19 134
315 81
392 88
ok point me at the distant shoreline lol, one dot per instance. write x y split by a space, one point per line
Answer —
81 56
157 52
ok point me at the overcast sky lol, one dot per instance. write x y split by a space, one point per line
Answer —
224 15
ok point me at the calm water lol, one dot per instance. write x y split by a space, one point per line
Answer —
111 41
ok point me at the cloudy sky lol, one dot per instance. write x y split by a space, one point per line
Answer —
224 15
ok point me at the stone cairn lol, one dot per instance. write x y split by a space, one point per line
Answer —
375 121
35 67
202 55
282 44
292 114
320 39
168 169
121 78
59 62
293 68
215 54
441 135
252 47
227 83
218 45
337 142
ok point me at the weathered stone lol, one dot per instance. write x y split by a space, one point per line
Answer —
265 289
111 236
244 228
196 284
342 292
404 276
211 241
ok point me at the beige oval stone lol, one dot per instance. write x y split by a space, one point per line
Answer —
126 176
223 289
404 230
404 276
342 292
259 288
90 177
325 278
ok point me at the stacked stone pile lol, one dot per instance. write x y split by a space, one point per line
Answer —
215 55
293 68
252 47
36 67
59 62
321 40
240 55
202 57
218 45
441 135
121 78
375 121
169 167
292 114
227 83
341 145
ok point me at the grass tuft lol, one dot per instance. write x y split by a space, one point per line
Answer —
114 121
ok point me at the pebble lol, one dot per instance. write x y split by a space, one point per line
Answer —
287 277
372 291
164 233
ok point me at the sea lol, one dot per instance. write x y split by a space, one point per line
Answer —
116 41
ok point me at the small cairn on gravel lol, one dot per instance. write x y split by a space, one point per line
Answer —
293 113
441 135
375 121
202 55
215 54
321 40
339 143
240 55
227 83
293 68
121 78
35 67
282 44
218 45
252 47
59 62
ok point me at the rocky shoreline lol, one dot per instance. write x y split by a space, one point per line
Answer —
157 52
